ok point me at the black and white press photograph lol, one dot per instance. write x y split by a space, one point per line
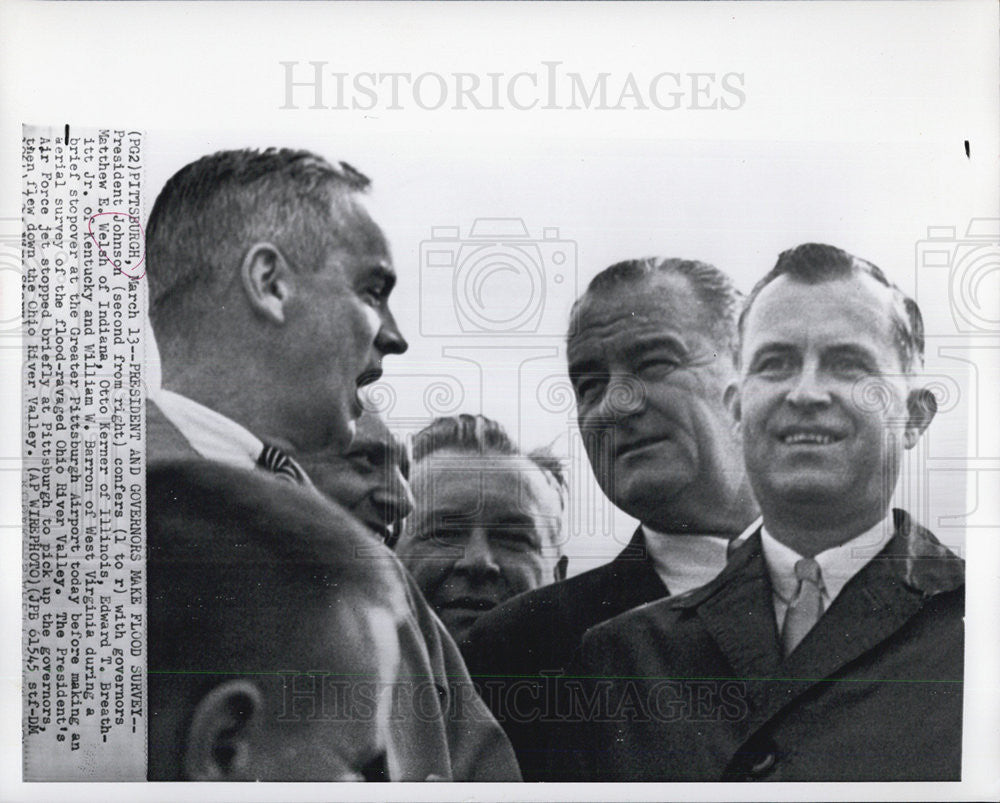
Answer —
535 400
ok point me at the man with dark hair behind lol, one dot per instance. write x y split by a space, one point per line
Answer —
651 351
833 640
487 519
269 288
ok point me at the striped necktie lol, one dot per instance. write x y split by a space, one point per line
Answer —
807 606
280 464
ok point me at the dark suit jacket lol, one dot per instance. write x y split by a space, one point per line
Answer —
698 689
453 737
512 649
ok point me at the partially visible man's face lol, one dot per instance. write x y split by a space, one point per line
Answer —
483 529
649 379
292 742
368 478
301 693
823 400
339 327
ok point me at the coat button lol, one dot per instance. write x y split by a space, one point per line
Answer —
763 766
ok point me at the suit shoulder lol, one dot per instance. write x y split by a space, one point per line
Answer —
540 628
541 608
199 492
651 619
926 564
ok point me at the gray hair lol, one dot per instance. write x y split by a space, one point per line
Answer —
481 435
713 288
213 210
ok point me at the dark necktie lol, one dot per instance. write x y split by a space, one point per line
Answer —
807 606
280 464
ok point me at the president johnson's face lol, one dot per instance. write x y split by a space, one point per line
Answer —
650 380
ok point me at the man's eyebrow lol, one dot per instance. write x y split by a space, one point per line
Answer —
850 350
772 345
658 340
445 516
659 337
513 518
373 451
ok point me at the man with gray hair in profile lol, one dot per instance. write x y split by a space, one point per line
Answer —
834 637
652 352
269 292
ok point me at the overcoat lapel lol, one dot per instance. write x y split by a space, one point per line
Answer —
737 610
739 616
878 601
869 609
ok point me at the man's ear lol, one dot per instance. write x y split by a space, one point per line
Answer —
731 398
560 568
921 407
267 280
217 747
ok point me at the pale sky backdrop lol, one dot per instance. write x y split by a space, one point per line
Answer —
853 132
586 203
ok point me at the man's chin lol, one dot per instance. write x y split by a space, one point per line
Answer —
646 493
809 488
341 430
355 407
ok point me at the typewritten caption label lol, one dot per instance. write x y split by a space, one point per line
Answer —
83 495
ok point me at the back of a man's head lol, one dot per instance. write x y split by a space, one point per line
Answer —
252 581
212 210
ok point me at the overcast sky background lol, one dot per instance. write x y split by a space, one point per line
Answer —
853 132
587 203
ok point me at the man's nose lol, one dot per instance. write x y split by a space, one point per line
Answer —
394 497
477 554
809 388
389 339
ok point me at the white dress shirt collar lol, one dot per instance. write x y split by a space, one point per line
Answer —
211 434
837 565
686 562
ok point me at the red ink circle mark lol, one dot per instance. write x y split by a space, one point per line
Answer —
119 268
